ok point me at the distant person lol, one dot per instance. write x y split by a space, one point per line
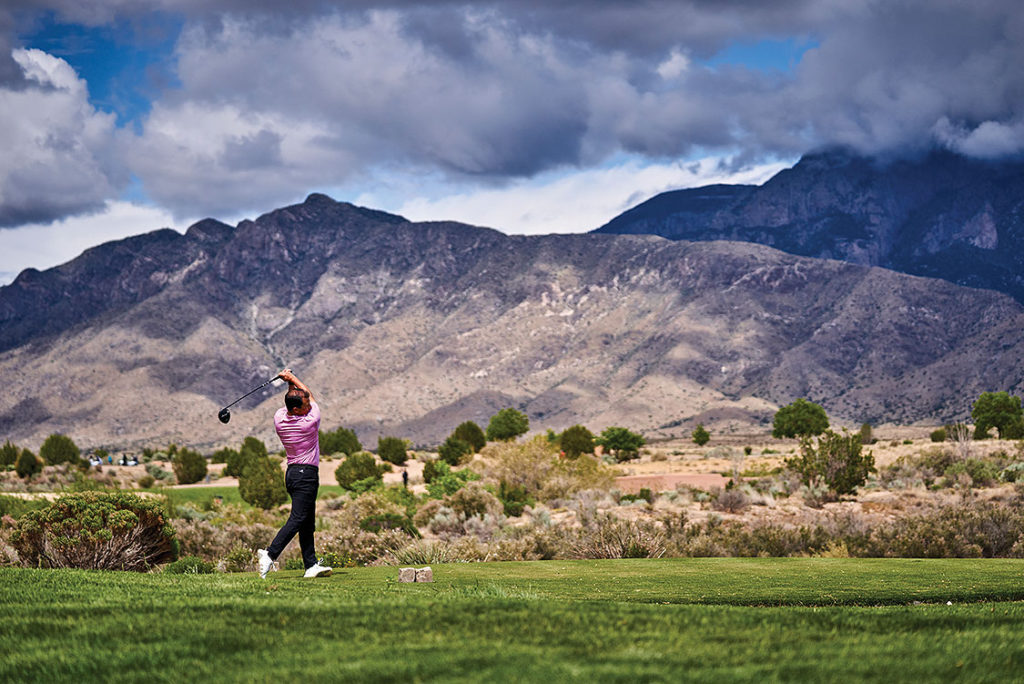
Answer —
298 427
110 460
405 478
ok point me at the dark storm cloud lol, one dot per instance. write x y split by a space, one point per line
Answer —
272 101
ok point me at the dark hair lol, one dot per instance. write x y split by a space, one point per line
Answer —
295 398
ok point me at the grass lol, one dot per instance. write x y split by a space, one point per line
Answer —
202 497
629 620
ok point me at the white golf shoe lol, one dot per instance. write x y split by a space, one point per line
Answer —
318 571
266 565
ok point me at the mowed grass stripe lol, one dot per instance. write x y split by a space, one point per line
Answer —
583 620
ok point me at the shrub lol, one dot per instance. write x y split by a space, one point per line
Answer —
189 466
262 484
359 467
454 450
430 469
223 455
341 440
645 494
507 424
621 443
576 440
449 482
147 481
610 537
98 531
157 472
1001 411
28 464
8 454
514 499
731 500
938 435
392 449
189 565
700 435
837 462
802 418
239 559
475 500
981 472
471 433
59 448
866 436
389 521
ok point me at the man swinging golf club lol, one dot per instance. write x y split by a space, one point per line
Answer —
298 427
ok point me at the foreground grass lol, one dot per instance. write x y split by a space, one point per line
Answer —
629 620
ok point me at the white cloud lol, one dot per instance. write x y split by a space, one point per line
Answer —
572 203
57 149
43 246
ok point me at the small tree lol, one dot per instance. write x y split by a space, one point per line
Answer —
189 466
8 454
356 468
392 449
837 462
938 435
341 440
252 449
621 443
28 464
59 449
802 418
471 433
576 440
506 425
223 455
454 450
866 435
262 484
700 435
998 410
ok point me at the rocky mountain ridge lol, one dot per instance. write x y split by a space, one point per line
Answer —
939 215
408 328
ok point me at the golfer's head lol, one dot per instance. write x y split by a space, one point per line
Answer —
297 401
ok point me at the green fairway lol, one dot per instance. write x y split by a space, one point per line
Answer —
804 619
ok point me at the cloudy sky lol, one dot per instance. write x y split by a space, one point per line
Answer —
530 116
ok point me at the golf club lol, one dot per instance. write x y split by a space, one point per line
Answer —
225 414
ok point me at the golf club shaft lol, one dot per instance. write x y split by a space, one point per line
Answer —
251 392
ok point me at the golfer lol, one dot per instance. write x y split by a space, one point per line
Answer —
298 427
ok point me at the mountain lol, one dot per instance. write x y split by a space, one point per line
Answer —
408 329
940 215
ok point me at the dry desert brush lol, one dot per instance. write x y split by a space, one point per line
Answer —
96 531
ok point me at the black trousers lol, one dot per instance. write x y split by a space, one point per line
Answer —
302 482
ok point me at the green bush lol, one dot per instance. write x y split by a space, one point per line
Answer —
393 450
28 464
514 499
802 418
97 531
8 454
576 440
453 451
866 434
240 559
359 470
507 424
837 462
262 484
700 435
938 435
223 455
983 473
1001 411
189 466
16 507
341 440
430 469
1012 473
59 448
621 443
472 434
189 565
389 521
147 481
448 482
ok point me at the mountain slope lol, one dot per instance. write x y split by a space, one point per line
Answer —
410 328
941 215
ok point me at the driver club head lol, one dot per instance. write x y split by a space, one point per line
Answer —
224 415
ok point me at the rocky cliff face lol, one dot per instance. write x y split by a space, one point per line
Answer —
941 215
408 329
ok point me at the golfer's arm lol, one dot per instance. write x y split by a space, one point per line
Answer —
290 378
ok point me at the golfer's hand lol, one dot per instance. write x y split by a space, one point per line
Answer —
287 376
